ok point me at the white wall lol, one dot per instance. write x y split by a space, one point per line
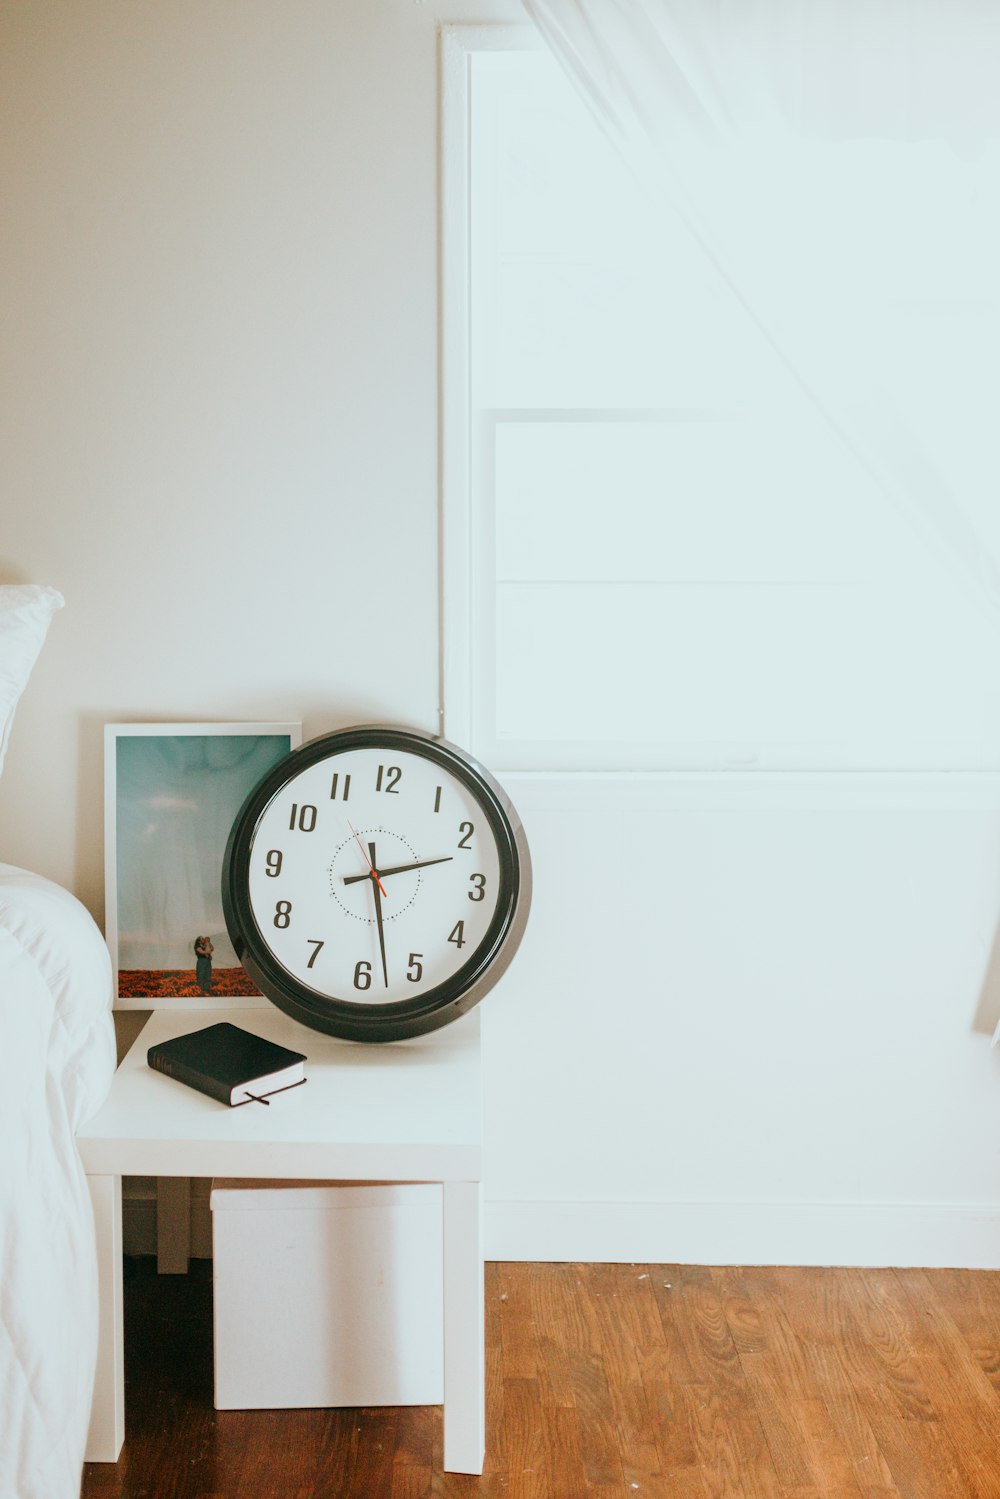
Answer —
750 1023
219 372
742 1025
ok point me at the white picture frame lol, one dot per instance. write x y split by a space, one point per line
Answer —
171 794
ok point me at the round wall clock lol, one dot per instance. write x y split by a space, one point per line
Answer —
376 883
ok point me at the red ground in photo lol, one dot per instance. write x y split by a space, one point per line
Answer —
180 983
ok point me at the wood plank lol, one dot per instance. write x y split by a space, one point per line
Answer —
814 1303
726 1429
733 1457
668 1405
809 1456
850 1423
959 1389
518 1446
600 1450
408 1481
694 1307
621 1330
514 1312
971 1299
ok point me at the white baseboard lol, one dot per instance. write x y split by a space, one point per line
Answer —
928 1234
959 1235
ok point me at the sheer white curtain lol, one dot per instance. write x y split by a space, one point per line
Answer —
838 164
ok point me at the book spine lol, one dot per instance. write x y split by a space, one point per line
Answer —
182 1073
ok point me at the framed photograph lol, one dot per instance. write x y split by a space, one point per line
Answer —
171 795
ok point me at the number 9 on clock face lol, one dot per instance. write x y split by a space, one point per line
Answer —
376 883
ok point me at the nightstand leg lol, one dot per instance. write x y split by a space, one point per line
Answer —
173 1225
107 1413
464 1337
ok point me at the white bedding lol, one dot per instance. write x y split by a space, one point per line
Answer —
57 1055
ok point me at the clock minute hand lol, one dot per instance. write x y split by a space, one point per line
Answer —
376 888
353 879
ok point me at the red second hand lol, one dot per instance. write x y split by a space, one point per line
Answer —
368 861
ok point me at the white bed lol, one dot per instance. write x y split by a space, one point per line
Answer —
57 1056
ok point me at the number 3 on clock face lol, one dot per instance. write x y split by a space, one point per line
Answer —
376 883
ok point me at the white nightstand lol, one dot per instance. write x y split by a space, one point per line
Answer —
410 1111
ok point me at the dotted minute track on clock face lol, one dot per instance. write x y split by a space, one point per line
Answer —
389 915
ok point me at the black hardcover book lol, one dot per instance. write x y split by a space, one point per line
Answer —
228 1063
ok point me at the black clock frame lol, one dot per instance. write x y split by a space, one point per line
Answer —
351 1019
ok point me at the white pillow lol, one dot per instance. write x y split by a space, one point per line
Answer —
25 612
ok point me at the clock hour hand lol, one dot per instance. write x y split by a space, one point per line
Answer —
353 879
372 871
377 892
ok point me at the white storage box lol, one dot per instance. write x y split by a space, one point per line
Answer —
327 1295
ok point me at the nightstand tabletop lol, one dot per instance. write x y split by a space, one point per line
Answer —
406 1110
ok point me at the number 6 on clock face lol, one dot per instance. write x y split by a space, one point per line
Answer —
376 883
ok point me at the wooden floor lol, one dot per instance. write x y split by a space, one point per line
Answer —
655 1381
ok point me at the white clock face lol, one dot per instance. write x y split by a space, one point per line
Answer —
373 875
